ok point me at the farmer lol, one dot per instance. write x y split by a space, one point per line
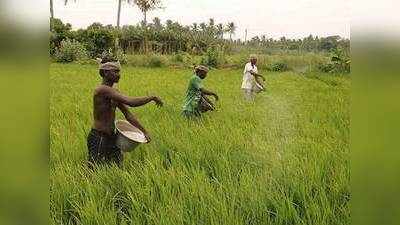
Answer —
251 79
101 139
196 101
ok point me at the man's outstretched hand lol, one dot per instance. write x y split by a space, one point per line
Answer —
216 97
158 101
147 137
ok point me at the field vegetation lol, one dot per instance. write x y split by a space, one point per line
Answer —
283 159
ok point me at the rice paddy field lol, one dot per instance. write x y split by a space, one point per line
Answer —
283 159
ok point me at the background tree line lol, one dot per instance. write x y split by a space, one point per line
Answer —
307 44
172 37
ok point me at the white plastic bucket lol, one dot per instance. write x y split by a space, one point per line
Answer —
125 141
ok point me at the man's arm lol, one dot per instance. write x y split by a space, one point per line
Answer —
130 101
257 75
207 92
131 118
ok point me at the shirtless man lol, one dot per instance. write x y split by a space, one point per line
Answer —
101 139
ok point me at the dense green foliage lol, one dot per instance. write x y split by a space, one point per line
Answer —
282 160
97 38
278 67
155 61
69 51
309 43
340 62
58 32
214 57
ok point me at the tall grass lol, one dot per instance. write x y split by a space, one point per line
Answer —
296 62
282 160
304 62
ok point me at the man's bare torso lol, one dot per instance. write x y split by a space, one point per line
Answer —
103 112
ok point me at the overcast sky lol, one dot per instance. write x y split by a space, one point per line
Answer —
274 18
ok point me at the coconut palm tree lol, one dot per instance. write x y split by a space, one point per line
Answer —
203 27
66 1
119 13
119 10
231 29
220 30
195 27
51 9
147 5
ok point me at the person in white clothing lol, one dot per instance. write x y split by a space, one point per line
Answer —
251 83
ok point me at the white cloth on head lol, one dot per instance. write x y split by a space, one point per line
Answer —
253 56
201 67
248 79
